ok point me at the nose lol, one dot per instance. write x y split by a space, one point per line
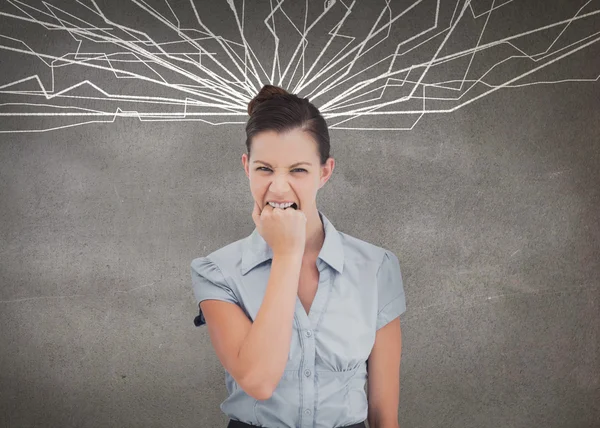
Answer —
280 185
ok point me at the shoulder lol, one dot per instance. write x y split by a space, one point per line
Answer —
358 251
226 259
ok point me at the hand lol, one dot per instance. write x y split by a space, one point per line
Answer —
283 230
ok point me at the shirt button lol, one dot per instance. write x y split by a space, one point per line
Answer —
307 372
307 412
308 333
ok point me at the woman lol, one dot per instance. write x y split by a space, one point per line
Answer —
297 310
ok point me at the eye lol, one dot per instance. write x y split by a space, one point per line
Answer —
264 168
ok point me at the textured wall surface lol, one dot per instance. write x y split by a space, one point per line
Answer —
483 177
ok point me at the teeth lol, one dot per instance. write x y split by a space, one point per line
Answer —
283 206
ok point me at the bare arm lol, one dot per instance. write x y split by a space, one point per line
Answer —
255 354
384 377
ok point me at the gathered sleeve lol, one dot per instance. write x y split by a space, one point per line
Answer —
391 299
208 282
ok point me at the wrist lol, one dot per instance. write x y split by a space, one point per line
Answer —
289 255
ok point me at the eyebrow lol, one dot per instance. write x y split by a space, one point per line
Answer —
291 166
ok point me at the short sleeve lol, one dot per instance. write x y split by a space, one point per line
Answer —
208 282
391 299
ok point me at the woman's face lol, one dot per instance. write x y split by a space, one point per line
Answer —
286 167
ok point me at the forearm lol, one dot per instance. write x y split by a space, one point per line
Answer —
376 421
266 348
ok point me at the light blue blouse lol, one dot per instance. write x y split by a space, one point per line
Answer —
323 386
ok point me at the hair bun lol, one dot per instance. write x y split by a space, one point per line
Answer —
266 93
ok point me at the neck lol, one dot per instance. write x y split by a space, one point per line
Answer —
315 234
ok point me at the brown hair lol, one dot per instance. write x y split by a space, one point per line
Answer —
274 109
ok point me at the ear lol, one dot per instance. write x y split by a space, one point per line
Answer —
245 161
327 170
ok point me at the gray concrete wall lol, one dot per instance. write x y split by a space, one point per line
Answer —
491 204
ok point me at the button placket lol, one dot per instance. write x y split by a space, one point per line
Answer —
307 380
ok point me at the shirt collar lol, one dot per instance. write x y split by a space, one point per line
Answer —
256 250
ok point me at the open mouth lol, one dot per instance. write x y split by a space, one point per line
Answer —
294 206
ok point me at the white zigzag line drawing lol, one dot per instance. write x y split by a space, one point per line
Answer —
355 80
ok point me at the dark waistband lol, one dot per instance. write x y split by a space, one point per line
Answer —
237 424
